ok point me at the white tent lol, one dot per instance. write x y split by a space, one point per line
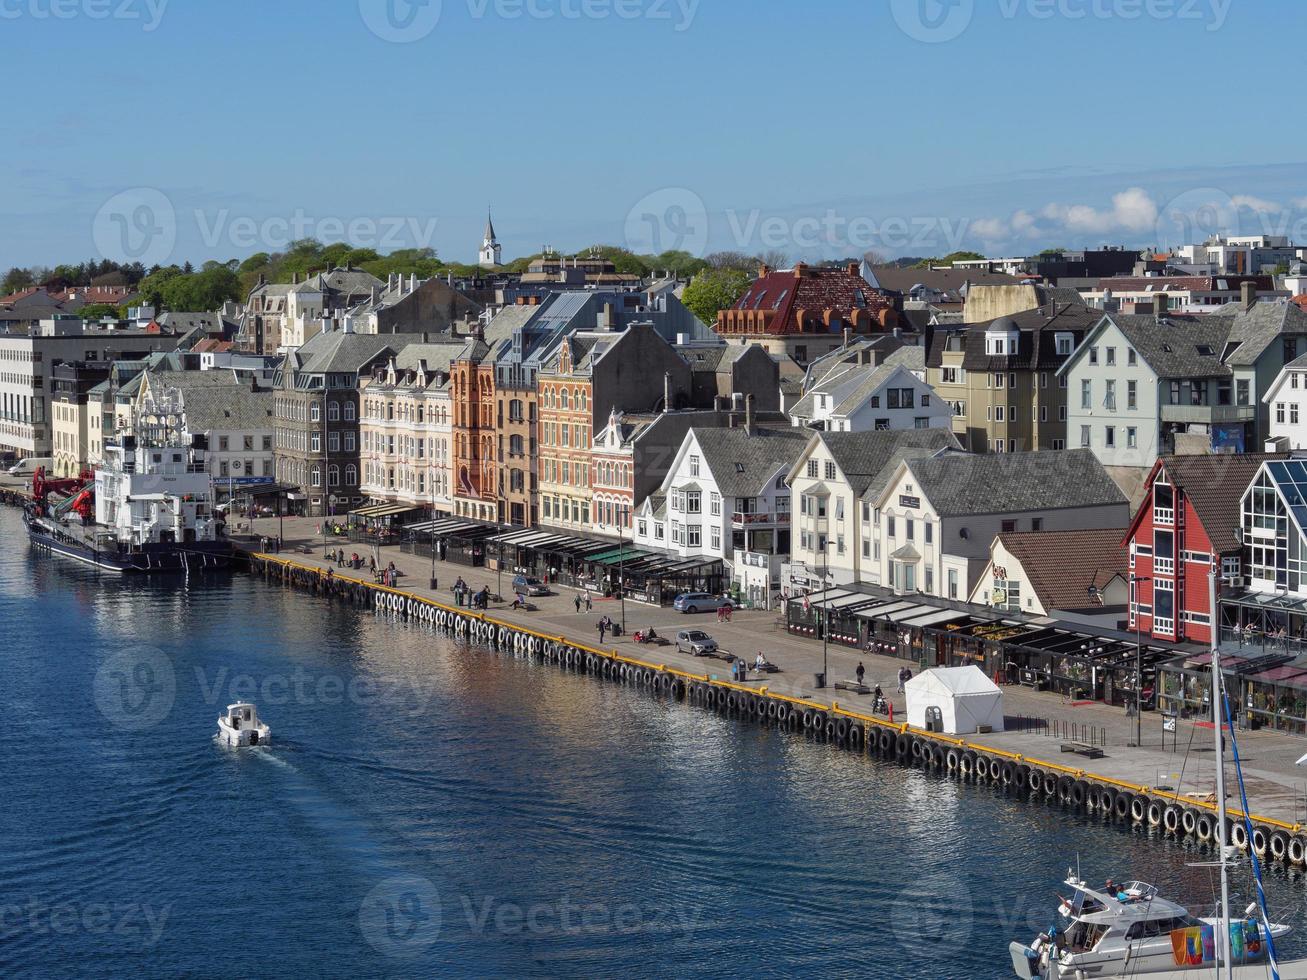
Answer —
963 699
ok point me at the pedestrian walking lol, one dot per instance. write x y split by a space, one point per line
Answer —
603 625
588 604
860 672
577 603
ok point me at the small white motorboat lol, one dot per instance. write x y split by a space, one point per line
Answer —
240 726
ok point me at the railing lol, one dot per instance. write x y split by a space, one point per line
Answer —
744 520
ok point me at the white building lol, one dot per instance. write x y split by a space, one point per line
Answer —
1287 401
234 417
725 497
936 518
833 481
852 399
490 254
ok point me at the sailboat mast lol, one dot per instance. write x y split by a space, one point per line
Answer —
1218 717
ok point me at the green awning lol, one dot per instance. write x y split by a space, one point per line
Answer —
620 556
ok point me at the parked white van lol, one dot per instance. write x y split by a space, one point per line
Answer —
29 466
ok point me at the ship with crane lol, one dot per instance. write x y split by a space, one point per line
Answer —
147 508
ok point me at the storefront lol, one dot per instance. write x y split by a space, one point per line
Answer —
1015 648
453 539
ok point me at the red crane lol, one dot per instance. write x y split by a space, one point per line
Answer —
81 490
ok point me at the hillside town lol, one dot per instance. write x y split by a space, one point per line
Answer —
897 457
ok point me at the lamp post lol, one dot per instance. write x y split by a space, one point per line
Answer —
825 611
1135 582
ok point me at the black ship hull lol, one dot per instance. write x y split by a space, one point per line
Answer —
143 559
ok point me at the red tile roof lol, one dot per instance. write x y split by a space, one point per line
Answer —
1061 566
809 300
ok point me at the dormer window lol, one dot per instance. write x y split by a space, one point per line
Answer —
1066 343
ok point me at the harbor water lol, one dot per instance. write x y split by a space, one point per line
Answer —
431 808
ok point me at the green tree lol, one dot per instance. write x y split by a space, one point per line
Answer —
98 311
16 279
714 290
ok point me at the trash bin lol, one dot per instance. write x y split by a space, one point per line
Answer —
819 679
433 583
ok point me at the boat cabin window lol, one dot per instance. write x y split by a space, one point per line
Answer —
1159 927
1083 936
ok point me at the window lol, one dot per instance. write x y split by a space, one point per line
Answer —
812 468
1086 394
333 411
1279 412
1293 413
998 413
715 502
1111 355
694 465
889 525
1059 444
1000 379
1084 437
830 470
1109 436
929 529
952 583
1065 344
315 442
1132 437
1132 395
911 529
693 501
693 536
1009 527
951 375
642 528
1093 355
1131 357
1243 392
1109 396
715 538
315 412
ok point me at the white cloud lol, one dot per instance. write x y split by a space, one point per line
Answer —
1259 204
990 229
1132 210
1299 202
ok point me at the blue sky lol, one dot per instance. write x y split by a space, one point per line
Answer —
175 129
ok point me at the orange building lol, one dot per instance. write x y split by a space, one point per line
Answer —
472 402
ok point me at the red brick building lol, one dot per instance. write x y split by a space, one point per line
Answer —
1187 524
472 404
803 312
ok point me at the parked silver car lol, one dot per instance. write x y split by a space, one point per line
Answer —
695 642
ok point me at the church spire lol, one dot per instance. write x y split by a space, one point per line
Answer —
489 256
490 229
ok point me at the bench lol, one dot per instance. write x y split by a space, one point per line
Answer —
1083 748
854 686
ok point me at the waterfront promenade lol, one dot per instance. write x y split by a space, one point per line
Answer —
1275 785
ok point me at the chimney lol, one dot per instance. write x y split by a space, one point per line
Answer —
764 270
667 391
376 293
412 281
1249 292
848 336
852 268
748 414
608 318
1161 305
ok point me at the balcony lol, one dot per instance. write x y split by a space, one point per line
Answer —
1209 414
759 519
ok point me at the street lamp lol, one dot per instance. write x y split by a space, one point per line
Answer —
621 570
1135 582
825 609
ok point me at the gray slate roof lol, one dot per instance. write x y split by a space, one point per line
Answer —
341 352
216 400
1005 483
1258 328
741 462
1178 347
863 457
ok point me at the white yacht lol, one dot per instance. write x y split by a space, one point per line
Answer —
240 726
1128 930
